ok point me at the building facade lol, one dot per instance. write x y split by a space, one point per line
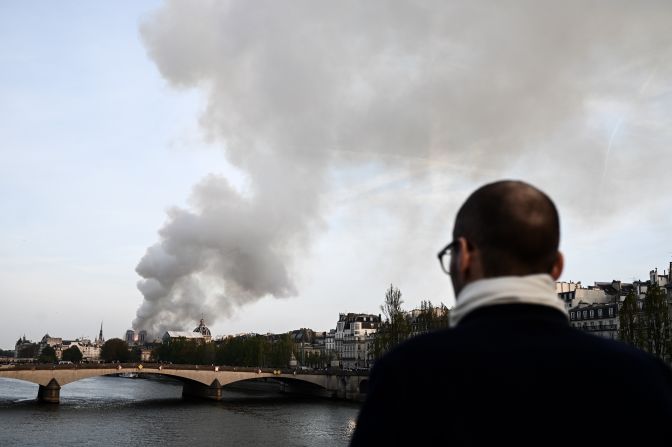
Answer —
573 293
201 334
353 339
599 319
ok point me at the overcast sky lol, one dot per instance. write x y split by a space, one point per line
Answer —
271 164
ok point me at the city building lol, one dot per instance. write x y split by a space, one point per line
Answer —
201 333
663 280
47 340
204 331
329 341
353 339
134 338
25 349
146 354
130 337
573 293
90 351
598 319
595 309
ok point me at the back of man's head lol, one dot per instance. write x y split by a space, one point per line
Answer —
515 227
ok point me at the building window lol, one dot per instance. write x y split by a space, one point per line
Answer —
585 314
592 313
599 312
611 311
572 315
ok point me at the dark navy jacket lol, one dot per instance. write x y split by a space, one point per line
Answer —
516 374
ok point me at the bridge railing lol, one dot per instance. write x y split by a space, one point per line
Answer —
178 366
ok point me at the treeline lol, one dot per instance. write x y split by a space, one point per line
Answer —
645 323
28 350
117 350
48 353
400 325
259 350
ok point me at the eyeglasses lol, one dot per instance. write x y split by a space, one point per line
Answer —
444 257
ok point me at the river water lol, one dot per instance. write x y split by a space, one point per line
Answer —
138 412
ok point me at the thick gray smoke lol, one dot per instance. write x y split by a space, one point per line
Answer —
226 251
298 89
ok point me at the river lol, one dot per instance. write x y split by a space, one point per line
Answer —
139 412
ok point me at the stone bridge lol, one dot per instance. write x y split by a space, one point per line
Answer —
197 380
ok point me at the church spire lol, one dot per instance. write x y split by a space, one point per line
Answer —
100 334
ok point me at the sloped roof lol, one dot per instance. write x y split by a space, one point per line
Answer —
182 334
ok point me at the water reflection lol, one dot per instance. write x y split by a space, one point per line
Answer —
129 412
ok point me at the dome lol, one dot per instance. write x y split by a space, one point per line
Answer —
203 329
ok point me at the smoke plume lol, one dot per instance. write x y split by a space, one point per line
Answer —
300 89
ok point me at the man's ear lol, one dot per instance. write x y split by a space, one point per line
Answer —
558 265
464 257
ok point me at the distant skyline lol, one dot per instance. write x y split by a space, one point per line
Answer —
271 165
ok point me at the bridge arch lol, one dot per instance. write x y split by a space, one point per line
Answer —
200 381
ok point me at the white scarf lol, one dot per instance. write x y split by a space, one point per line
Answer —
532 289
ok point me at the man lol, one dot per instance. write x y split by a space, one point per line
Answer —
511 371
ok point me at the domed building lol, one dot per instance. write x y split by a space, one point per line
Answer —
204 331
201 333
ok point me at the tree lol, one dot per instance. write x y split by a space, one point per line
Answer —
205 353
395 328
630 323
656 319
444 316
72 354
48 355
426 320
115 349
28 351
180 350
257 351
392 306
431 318
281 351
135 354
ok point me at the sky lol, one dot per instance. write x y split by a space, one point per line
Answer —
268 165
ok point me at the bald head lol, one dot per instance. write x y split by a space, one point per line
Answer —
515 227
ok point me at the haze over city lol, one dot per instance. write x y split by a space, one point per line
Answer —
271 164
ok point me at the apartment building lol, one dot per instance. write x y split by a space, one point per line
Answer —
353 339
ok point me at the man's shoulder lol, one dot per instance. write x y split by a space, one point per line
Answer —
565 344
604 347
420 346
